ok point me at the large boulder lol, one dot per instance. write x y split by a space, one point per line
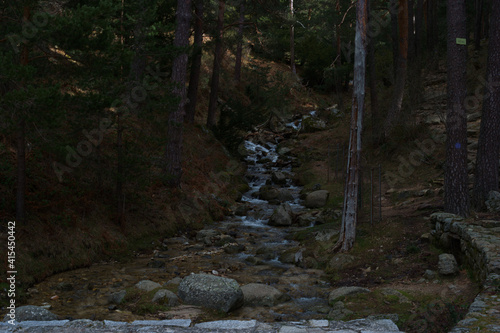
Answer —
493 202
317 199
447 264
32 313
166 297
282 216
257 294
278 177
211 291
345 291
268 193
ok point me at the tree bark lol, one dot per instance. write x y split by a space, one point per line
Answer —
487 164
419 29
411 30
394 36
212 106
173 151
292 41
350 211
478 25
239 48
373 85
194 78
399 88
456 193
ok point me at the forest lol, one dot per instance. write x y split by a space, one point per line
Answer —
127 123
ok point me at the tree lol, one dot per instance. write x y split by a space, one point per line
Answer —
370 62
456 192
478 24
486 175
399 87
292 40
173 151
350 211
419 30
218 54
239 48
194 78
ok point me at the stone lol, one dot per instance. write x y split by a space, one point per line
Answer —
339 261
211 291
147 285
493 202
447 264
227 325
166 297
345 291
284 195
257 294
268 193
32 313
174 282
317 199
278 177
242 209
207 236
429 274
117 298
282 216
233 248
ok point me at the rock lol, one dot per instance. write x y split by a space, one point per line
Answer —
326 235
257 294
268 193
156 264
207 236
447 264
493 202
64 286
166 297
284 195
211 291
233 248
117 298
278 177
339 311
345 291
174 282
147 285
429 274
310 124
282 216
32 313
393 292
339 261
242 209
317 199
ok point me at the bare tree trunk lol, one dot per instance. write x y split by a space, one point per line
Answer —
239 49
350 211
456 192
478 24
214 89
486 175
411 30
194 78
419 28
173 151
373 85
292 41
399 89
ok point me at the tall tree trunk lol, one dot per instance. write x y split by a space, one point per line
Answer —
419 28
411 30
373 84
350 211
194 78
173 151
239 48
478 25
486 176
456 193
338 78
399 88
292 40
432 27
394 36
214 89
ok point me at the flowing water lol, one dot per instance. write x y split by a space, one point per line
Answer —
83 293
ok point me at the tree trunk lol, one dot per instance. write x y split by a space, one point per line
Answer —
486 176
373 84
350 211
173 151
194 78
292 41
478 24
456 193
394 36
239 49
419 28
214 89
399 88
432 27
411 30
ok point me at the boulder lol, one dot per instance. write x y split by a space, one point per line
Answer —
339 261
493 202
268 193
282 216
257 294
447 264
284 195
278 177
215 292
345 291
207 236
117 298
166 297
317 199
32 313
147 285
311 124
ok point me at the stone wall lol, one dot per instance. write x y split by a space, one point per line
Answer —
476 244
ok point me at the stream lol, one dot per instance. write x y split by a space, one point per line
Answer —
258 257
